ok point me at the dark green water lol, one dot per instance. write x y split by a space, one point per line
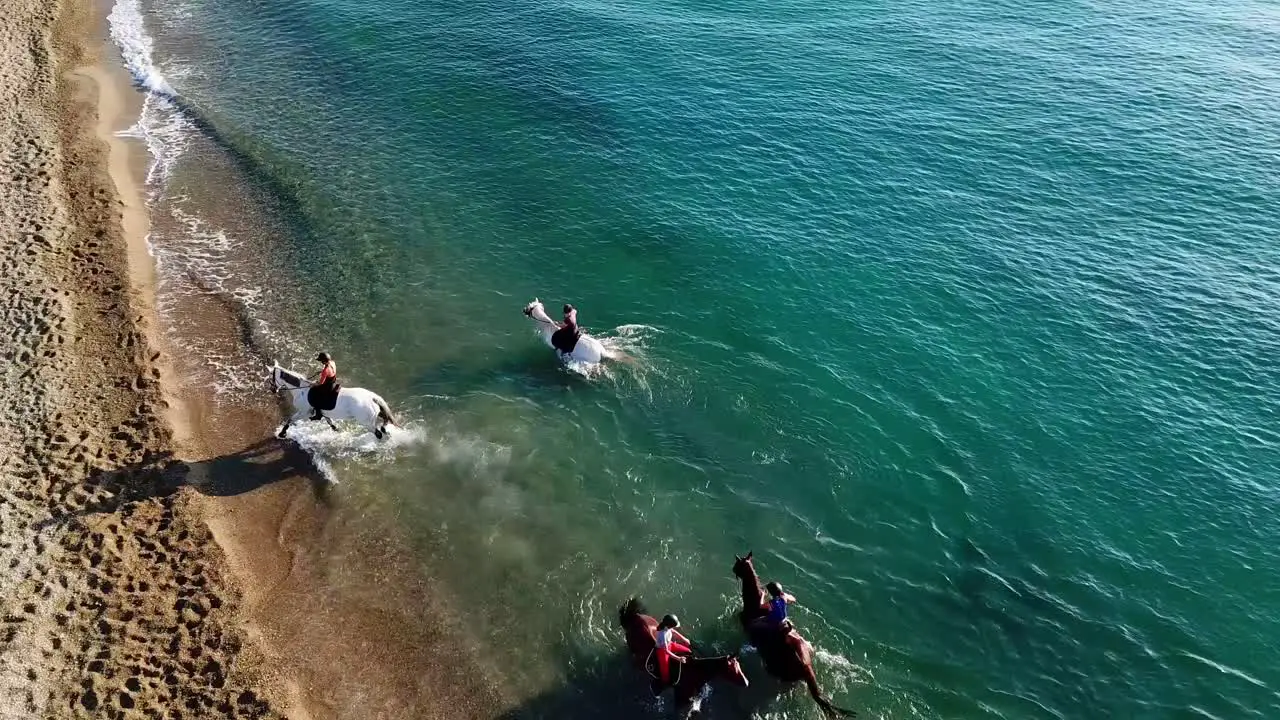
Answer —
961 315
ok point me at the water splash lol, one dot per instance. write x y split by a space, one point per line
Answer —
626 347
325 445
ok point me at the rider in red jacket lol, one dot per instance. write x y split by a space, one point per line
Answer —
327 378
669 642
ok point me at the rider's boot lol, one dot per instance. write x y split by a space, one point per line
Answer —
316 414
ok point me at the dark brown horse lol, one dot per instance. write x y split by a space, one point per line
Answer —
694 673
787 657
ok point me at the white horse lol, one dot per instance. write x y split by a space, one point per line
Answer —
363 406
586 350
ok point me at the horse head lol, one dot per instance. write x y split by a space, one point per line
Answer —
733 671
282 379
537 313
632 609
742 567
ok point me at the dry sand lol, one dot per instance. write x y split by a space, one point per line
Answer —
113 602
151 566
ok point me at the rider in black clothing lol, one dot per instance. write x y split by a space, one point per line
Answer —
566 338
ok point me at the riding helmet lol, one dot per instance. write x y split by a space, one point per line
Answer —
774 589
671 621
323 357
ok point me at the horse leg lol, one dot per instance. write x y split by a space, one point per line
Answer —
829 710
688 699
369 421
330 421
299 415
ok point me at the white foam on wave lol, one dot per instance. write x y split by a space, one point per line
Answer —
200 258
165 132
129 32
161 125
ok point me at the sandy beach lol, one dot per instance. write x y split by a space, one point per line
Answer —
115 601
154 563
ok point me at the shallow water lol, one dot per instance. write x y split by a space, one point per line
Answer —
961 315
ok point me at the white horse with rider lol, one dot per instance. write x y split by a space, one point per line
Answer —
567 339
363 406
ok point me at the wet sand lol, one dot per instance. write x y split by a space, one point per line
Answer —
160 554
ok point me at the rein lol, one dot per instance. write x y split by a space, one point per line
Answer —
701 662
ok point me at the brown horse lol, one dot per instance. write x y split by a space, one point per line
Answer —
694 673
787 657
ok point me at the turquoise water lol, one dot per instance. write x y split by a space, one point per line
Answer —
961 315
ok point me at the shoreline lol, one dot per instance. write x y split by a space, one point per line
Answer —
116 602
310 650
162 553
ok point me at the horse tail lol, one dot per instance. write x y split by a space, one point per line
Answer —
828 709
832 711
384 412
633 608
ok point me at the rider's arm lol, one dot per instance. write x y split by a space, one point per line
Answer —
789 598
676 634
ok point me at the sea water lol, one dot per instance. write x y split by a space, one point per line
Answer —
960 314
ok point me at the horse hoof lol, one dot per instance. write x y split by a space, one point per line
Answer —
379 433
280 434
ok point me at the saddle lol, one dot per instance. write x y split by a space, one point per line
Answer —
323 397
565 339
764 634
676 669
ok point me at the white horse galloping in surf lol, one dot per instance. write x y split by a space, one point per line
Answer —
585 350
363 406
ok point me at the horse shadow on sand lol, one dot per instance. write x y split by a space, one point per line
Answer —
255 466
160 474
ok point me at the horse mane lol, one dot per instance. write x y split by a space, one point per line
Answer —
290 377
631 609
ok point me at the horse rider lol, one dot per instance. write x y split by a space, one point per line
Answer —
776 618
566 338
327 378
667 643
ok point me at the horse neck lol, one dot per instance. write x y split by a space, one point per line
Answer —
707 668
751 595
544 320
638 621
707 663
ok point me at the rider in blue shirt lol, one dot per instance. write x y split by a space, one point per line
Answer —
778 600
